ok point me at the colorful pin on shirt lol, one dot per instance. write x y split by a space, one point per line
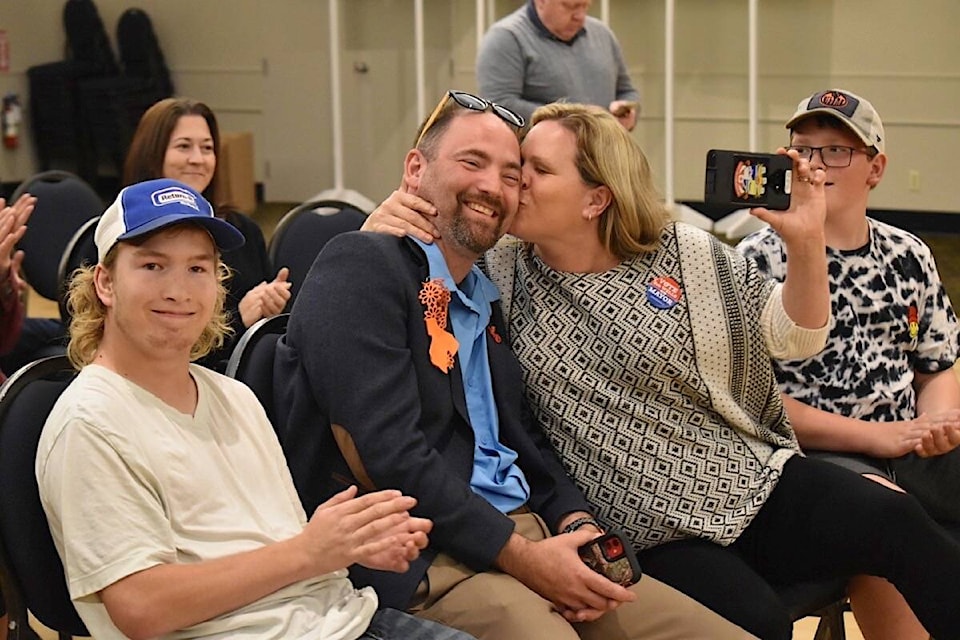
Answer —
913 320
443 346
663 292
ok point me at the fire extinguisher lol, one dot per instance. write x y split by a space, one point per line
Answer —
10 120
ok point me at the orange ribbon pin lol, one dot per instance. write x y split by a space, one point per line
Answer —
443 345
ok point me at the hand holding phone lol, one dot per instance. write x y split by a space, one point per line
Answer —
624 108
612 556
743 179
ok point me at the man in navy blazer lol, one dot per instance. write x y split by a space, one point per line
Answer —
394 372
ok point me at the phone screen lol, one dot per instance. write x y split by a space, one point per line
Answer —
750 179
738 178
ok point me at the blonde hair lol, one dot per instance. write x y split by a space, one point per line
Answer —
607 155
88 314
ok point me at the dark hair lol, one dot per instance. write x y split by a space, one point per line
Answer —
152 137
826 121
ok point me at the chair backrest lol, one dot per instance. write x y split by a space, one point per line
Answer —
30 568
81 251
304 230
251 360
64 203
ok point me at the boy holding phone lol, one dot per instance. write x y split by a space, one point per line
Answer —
881 398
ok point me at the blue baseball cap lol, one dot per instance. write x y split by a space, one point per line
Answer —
152 205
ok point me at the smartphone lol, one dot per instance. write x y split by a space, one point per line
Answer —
745 179
624 108
612 556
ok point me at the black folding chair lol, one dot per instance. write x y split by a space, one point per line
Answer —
64 204
251 360
302 233
30 569
824 599
81 251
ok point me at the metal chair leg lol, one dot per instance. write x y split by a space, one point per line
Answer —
831 625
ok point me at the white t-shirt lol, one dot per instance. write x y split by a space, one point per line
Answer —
128 483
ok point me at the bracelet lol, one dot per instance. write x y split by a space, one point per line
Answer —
582 522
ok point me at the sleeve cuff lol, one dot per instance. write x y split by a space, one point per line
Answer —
785 339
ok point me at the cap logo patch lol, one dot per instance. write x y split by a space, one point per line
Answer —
833 99
847 105
172 195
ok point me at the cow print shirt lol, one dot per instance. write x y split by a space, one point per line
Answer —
891 318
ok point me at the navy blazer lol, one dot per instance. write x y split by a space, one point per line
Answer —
359 402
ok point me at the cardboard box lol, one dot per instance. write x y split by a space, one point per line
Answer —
236 187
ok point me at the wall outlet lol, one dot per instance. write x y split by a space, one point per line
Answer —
913 180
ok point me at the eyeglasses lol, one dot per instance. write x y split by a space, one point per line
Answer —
832 156
474 103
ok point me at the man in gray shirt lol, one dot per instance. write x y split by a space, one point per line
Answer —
548 50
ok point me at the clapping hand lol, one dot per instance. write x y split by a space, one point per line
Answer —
13 224
266 299
375 530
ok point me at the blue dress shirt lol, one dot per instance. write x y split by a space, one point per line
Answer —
496 476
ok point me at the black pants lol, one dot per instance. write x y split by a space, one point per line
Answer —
934 482
821 521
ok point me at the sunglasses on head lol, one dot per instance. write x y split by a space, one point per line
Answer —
474 103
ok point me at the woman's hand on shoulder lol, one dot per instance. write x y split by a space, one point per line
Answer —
404 214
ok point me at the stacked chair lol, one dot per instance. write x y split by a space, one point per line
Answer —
85 108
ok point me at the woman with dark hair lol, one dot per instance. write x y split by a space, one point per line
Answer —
179 138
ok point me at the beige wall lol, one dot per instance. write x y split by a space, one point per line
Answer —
263 65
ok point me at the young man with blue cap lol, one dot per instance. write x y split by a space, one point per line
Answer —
166 491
